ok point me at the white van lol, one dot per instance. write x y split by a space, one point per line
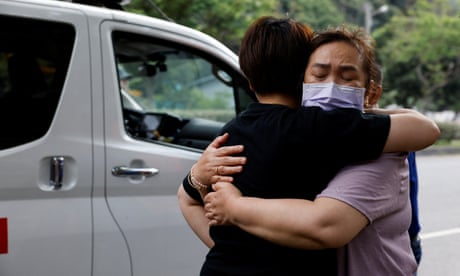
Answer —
89 169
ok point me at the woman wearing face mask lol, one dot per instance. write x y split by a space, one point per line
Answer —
377 191
272 137
365 209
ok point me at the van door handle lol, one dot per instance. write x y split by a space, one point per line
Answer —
56 172
121 171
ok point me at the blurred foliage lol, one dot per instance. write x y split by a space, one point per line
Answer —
307 11
418 41
449 132
225 20
420 54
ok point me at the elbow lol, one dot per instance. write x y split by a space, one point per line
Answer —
436 132
429 138
323 239
181 198
184 199
432 136
180 193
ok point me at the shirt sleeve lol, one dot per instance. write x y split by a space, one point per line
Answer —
192 192
351 134
375 188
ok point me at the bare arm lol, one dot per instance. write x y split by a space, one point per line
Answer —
191 209
410 130
323 223
193 213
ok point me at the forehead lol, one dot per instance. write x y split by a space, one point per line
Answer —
335 54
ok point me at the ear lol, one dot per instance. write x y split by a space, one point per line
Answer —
373 94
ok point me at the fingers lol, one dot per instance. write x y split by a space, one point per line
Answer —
208 201
218 162
227 165
223 151
223 171
230 150
225 178
214 206
212 216
213 220
216 186
231 161
228 160
208 207
219 141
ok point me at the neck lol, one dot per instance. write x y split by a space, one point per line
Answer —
278 99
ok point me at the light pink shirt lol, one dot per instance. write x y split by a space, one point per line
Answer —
379 190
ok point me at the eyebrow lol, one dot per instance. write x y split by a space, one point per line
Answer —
321 65
349 67
343 67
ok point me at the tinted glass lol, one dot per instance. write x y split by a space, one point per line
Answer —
34 57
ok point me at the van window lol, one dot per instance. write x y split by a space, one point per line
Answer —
34 57
175 94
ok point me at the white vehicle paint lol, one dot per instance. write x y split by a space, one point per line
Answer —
93 192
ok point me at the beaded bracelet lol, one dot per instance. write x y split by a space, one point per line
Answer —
194 183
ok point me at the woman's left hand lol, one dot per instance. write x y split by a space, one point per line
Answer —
217 162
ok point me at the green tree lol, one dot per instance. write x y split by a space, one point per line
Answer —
417 40
420 54
317 14
225 20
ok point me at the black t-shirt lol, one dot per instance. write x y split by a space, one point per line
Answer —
291 153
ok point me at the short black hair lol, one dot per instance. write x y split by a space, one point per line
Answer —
274 54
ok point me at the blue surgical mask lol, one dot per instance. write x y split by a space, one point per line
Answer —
330 95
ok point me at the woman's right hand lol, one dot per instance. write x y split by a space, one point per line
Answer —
218 163
218 204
